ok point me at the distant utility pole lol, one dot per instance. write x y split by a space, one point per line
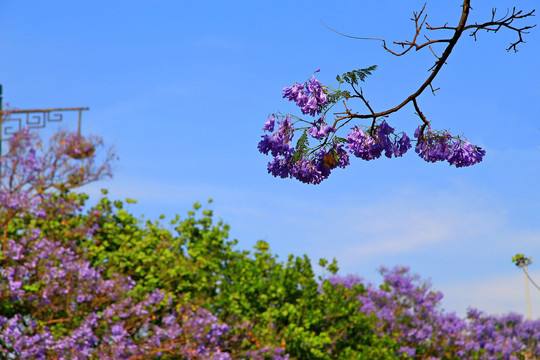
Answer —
524 266
522 261
12 121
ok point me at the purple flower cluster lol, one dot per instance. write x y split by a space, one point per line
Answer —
307 170
371 146
315 169
51 282
442 146
34 168
309 96
320 129
367 145
408 311
381 138
278 143
23 159
312 166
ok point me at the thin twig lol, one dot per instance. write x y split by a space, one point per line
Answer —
419 20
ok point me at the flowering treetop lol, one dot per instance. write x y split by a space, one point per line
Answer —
56 300
312 164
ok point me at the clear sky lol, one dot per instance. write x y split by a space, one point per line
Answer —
182 90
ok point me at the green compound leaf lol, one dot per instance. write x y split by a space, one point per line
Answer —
340 140
352 77
297 156
303 142
301 147
335 97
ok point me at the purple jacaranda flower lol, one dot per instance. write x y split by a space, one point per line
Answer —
301 99
402 145
279 167
362 145
409 313
291 92
320 132
310 96
278 143
311 106
313 85
309 171
441 146
269 124
465 154
370 145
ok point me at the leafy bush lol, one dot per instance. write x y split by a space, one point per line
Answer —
57 303
81 282
276 304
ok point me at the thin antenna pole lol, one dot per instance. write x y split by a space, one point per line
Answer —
79 123
522 261
527 290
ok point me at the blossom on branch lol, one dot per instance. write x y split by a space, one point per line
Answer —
368 141
442 146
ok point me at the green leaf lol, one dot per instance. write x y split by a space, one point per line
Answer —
296 157
333 267
352 77
303 142
335 97
340 140
301 147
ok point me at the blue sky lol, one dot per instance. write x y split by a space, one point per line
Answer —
182 89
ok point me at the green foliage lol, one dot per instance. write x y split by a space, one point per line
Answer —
340 140
303 142
301 147
266 301
521 260
280 303
352 77
336 96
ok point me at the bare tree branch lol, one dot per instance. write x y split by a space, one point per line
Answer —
419 19
505 21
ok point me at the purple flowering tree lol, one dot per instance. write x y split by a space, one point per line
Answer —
54 303
409 312
312 164
30 169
